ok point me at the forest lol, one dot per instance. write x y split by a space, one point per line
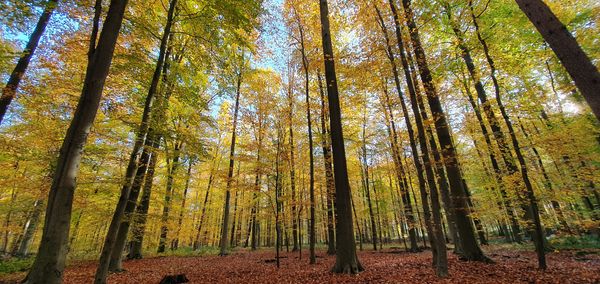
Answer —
296 141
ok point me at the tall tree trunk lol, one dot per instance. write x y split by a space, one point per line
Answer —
547 182
8 218
346 259
172 170
157 117
325 140
293 170
312 232
232 241
10 90
116 257
214 168
278 190
225 225
183 200
377 211
569 52
255 237
141 211
50 260
435 231
471 249
111 235
401 176
30 228
532 210
482 96
365 180
514 223
411 134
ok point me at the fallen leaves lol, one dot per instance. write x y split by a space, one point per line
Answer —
388 266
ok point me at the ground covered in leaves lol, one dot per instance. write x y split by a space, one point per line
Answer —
388 266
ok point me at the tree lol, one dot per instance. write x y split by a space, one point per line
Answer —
310 143
225 226
111 235
469 245
346 260
325 143
50 260
569 52
10 90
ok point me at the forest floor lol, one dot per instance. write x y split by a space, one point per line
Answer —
387 266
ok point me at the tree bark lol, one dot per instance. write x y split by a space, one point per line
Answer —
111 235
225 225
325 140
365 180
312 232
401 176
116 257
471 249
10 90
569 52
232 241
50 260
164 229
294 214
175 243
141 211
532 211
30 228
411 135
346 259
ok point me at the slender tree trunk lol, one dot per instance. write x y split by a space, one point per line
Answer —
111 235
435 231
75 230
401 175
214 168
157 117
346 259
365 180
255 237
293 171
10 90
278 193
141 211
476 221
225 225
547 182
164 229
471 249
312 231
50 260
377 212
30 228
183 200
514 223
232 241
411 135
325 138
116 257
580 60
8 218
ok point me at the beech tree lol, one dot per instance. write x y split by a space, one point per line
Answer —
10 90
566 48
50 260
346 259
